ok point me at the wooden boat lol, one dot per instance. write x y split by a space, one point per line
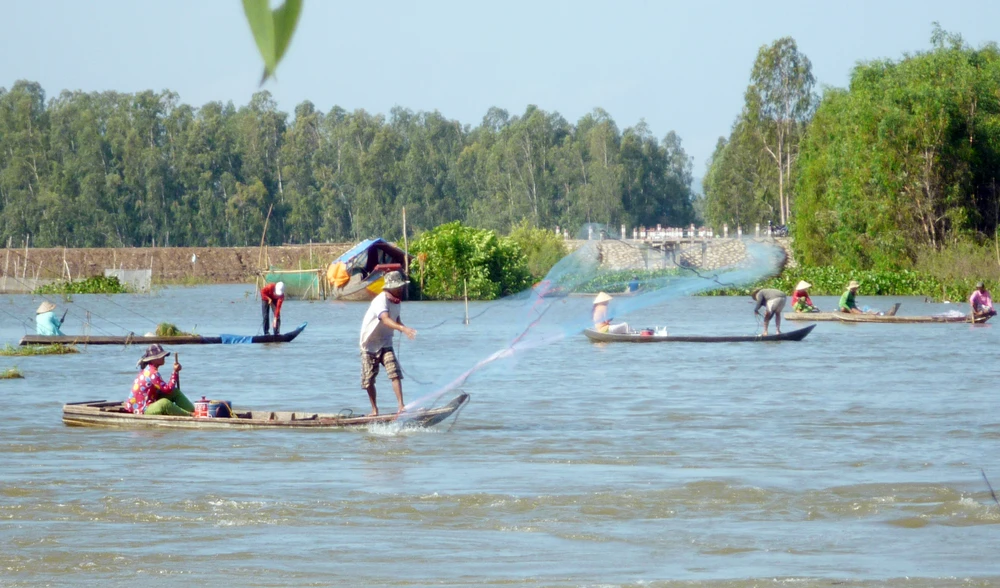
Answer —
103 413
830 316
133 339
359 274
597 337
871 318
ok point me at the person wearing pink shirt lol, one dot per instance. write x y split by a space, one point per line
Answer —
980 301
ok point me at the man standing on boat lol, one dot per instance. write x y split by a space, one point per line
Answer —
381 319
46 322
773 302
271 297
981 302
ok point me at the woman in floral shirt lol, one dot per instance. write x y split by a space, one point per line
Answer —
150 394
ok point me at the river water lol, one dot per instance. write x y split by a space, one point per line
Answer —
852 457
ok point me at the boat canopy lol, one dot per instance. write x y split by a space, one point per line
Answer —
370 253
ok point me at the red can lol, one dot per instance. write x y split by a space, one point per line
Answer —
201 407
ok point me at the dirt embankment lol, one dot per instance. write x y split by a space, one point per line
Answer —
213 265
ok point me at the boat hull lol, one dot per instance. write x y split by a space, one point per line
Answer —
844 317
107 414
131 339
597 337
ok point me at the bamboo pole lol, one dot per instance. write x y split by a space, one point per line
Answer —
406 248
6 264
465 291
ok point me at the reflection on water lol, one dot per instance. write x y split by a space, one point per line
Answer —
853 456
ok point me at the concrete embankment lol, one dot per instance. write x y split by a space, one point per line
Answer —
23 268
706 254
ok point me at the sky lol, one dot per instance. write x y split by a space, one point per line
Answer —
680 66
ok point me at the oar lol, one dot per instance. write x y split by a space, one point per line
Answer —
990 486
177 360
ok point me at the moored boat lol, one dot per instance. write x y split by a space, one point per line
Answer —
597 337
358 275
133 339
103 413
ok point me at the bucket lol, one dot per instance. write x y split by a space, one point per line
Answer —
201 407
220 409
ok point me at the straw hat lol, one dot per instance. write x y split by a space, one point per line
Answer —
279 289
602 297
980 285
154 351
45 307
803 285
394 280
853 285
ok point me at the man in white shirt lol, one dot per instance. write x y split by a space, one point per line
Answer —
381 319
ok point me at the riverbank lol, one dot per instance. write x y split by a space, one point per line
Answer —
24 269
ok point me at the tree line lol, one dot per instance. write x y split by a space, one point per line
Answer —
118 169
899 165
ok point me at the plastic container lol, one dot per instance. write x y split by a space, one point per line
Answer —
201 407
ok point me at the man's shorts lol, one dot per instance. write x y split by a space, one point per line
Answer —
371 361
776 305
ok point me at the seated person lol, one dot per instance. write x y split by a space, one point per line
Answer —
800 298
847 300
633 285
602 324
981 302
150 394
46 322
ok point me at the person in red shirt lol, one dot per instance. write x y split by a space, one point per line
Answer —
271 296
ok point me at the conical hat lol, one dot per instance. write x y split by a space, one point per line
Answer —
803 285
854 284
602 297
45 307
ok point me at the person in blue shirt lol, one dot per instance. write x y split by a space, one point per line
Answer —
46 322
633 286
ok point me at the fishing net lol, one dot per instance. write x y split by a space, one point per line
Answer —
540 319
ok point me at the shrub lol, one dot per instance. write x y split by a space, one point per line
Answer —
492 266
542 249
92 285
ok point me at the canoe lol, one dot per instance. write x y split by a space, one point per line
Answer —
103 413
830 316
871 318
132 339
597 337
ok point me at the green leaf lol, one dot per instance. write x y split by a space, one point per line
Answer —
272 30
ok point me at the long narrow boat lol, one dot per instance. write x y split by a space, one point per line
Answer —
103 413
830 316
597 337
132 339
871 318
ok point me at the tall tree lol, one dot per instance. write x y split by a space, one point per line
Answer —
779 101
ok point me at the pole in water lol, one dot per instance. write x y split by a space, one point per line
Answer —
465 291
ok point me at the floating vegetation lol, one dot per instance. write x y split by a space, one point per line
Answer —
169 330
11 374
9 350
92 285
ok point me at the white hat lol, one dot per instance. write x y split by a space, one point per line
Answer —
854 284
45 307
803 285
279 289
602 297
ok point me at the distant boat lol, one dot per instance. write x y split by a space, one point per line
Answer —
103 413
132 339
598 337
360 273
